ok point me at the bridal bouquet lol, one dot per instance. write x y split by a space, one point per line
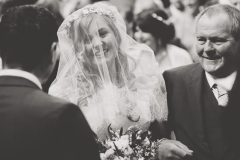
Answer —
134 144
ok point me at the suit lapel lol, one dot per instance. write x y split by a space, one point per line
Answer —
17 82
195 91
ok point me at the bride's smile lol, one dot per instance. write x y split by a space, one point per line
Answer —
101 53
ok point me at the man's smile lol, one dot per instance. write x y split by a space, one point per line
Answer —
212 58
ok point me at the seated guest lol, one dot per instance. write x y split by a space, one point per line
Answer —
33 124
176 9
176 6
184 25
153 29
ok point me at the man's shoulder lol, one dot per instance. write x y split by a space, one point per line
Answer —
183 74
39 103
185 70
45 99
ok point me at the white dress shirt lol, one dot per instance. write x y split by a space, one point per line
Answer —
226 83
22 74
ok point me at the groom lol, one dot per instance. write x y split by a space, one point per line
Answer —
197 104
33 124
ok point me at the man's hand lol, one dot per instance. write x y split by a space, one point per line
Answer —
172 150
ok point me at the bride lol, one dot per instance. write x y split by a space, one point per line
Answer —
103 71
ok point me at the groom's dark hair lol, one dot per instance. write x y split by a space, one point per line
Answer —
26 36
6 4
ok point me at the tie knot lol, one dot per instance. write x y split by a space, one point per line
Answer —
214 86
221 91
222 95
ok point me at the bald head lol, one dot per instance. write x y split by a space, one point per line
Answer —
217 10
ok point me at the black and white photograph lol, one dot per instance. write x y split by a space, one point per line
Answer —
119 79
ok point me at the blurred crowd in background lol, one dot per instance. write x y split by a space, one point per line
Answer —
166 26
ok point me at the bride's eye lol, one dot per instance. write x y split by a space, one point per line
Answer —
103 33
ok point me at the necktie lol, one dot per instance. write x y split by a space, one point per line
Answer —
222 95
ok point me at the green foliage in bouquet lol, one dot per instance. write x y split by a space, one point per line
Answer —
131 145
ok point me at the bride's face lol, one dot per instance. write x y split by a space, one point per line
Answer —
100 42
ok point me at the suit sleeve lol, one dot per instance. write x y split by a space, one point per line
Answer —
74 138
168 90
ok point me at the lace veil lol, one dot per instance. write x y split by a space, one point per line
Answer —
104 68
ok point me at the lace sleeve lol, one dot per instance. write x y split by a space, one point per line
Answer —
67 94
154 94
159 108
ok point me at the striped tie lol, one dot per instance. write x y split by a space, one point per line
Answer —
222 96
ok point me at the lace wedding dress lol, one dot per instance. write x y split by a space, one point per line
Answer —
121 107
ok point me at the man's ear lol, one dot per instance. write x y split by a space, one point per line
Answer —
53 52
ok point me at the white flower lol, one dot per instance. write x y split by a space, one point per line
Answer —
85 11
96 11
103 156
146 142
125 137
99 11
109 144
109 152
121 144
117 133
120 158
128 151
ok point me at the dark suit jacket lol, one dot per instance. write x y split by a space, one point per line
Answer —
186 102
232 116
37 126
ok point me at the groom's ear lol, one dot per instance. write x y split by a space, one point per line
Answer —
49 63
54 52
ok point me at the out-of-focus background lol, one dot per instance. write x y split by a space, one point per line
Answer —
166 26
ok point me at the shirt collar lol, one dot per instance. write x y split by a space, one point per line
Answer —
226 83
21 73
210 79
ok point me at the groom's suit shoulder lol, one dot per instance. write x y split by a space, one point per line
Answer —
47 127
42 103
49 100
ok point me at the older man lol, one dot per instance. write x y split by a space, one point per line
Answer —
197 105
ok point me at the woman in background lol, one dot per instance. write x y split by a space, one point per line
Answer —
154 29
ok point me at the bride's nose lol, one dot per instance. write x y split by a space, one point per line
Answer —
97 43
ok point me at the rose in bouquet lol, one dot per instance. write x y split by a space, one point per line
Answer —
134 144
